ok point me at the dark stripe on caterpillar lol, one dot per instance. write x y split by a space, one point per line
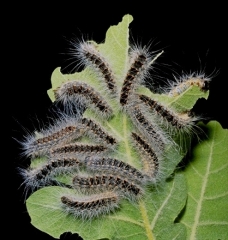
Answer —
111 166
99 183
149 157
73 92
92 206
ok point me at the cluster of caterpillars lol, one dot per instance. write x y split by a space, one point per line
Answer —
100 180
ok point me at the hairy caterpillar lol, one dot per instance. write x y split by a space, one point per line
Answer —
149 157
106 182
111 166
182 84
140 63
152 131
97 133
75 92
64 130
44 174
92 206
79 149
89 56
180 121
110 132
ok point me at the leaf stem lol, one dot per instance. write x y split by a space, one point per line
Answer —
146 221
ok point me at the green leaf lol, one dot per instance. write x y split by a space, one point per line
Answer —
181 103
115 49
152 218
206 213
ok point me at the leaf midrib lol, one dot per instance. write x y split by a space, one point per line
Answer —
146 221
202 192
176 99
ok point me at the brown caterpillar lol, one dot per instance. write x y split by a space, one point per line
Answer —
114 166
148 128
44 175
182 84
106 182
97 133
179 121
76 148
139 66
149 157
88 55
75 92
63 131
92 206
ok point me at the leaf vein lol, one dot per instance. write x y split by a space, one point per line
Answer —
162 206
212 223
217 196
125 219
203 188
219 169
187 225
196 171
190 195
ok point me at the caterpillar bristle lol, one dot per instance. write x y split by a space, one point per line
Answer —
44 174
106 182
150 159
93 206
76 92
113 166
63 131
89 56
78 149
180 85
95 131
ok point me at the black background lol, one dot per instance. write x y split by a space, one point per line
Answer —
193 38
